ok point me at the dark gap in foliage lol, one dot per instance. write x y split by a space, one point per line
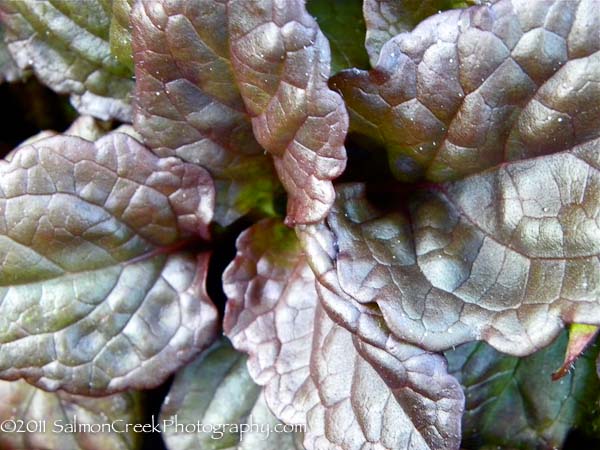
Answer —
394 196
153 401
28 108
367 162
578 439
279 205
224 245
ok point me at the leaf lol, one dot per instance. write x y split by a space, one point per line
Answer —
352 392
88 128
507 256
50 417
341 21
387 18
208 86
188 104
506 251
8 69
214 390
94 297
281 63
120 32
580 337
469 89
66 45
513 403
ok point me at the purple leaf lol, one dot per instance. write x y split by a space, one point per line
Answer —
281 63
507 256
188 105
469 89
351 391
94 297
205 83
387 18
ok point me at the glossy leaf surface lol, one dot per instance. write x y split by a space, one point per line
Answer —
216 389
281 62
58 420
476 259
351 392
188 104
67 46
469 89
94 296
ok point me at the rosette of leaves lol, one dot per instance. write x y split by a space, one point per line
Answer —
484 228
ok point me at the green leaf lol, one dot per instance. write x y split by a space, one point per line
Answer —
580 337
120 32
216 389
513 403
94 297
66 43
52 416
342 23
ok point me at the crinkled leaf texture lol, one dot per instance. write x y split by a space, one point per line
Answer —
352 391
217 389
94 297
513 402
469 89
67 45
205 79
502 99
21 401
85 127
188 104
387 18
281 63
506 256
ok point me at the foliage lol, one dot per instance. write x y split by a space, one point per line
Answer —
440 163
